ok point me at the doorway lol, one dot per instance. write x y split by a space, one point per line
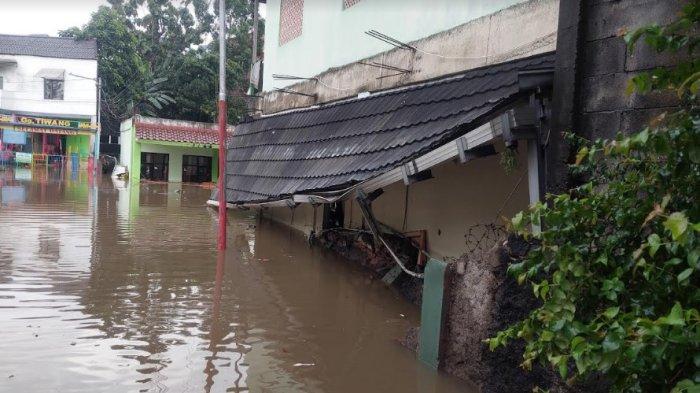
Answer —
196 169
154 166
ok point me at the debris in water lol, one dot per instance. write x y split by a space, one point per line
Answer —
73 343
304 364
402 316
11 376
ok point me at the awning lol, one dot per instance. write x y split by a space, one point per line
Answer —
324 150
4 61
51 73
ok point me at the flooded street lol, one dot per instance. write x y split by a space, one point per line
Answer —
114 290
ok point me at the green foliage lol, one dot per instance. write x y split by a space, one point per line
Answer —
677 37
160 58
509 160
616 264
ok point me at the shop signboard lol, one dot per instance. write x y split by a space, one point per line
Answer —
14 137
51 122
55 131
47 125
23 158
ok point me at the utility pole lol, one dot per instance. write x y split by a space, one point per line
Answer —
222 125
254 53
98 132
99 126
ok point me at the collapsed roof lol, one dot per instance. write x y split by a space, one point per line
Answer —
333 146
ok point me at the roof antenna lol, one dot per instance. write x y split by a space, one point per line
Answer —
292 78
390 40
290 91
397 70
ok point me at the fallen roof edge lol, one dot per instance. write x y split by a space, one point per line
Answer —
477 136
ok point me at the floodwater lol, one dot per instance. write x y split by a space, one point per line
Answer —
106 289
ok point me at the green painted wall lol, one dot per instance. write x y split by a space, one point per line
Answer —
332 36
78 144
175 152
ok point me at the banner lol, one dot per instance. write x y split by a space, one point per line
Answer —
55 131
50 122
14 137
23 158
47 125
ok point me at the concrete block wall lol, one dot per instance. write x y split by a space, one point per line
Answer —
607 65
593 69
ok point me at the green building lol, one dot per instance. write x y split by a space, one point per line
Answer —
167 150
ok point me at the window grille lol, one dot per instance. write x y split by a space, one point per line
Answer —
53 89
349 3
291 20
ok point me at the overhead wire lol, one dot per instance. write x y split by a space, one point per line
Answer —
542 38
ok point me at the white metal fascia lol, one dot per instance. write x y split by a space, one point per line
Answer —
482 134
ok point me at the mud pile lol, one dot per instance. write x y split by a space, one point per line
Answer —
482 301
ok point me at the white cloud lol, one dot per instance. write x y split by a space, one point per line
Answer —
45 16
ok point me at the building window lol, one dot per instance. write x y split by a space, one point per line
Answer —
291 19
53 89
196 169
349 3
154 166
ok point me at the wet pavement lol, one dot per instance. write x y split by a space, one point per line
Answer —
105 289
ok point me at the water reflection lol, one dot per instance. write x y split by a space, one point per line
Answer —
117 290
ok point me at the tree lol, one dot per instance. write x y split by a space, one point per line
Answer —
119 62
160 58
616 262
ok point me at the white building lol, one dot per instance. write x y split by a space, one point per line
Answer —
48 96
353 93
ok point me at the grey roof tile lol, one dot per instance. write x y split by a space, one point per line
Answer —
42 46
339 144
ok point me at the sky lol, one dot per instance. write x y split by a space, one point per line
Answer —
49 16
45 16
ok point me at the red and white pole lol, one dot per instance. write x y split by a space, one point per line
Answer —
222 125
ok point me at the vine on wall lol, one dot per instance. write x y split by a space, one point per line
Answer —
616 264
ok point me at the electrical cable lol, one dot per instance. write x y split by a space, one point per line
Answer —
510 195
550 35
388 247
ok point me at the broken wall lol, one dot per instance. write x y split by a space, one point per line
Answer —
458 197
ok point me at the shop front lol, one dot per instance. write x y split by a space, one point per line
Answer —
174 151
34 140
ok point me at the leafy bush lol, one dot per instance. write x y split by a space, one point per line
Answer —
616 263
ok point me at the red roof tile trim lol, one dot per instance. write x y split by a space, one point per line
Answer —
174 133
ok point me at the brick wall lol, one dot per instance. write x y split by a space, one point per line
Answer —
593 69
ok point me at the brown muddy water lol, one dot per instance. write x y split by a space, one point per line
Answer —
105 289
